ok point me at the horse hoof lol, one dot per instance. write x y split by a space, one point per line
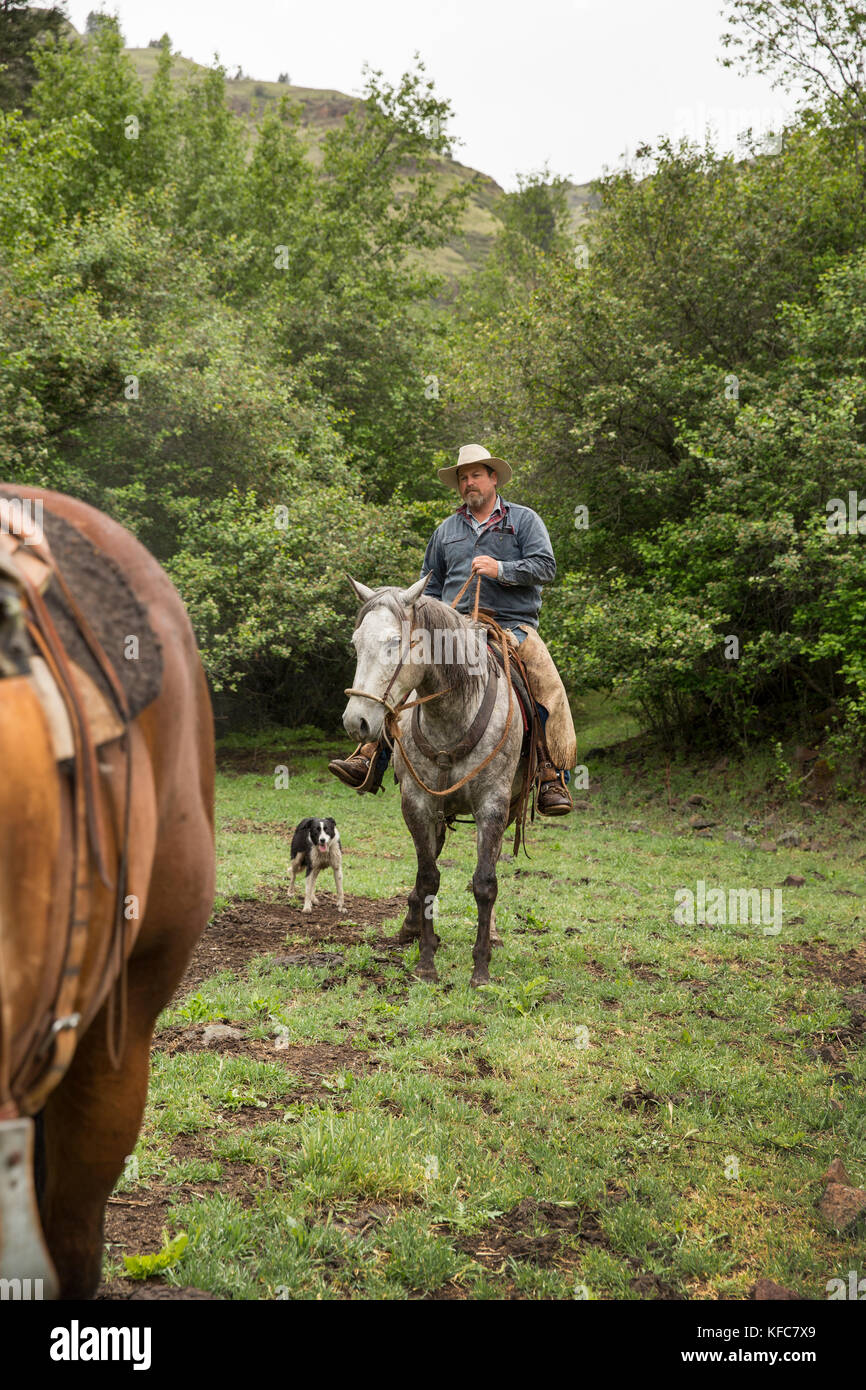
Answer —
427 973
478 981
497 942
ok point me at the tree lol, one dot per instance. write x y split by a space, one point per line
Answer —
817 45
97 20
21 26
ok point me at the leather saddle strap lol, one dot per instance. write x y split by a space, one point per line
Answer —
117 997
473 733
64 1038
87 771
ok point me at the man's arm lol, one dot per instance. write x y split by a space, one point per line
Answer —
434 564
536 564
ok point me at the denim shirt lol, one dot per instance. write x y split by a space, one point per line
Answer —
521 546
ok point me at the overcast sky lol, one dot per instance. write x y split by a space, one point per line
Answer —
571 83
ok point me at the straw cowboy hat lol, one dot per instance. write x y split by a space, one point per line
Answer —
475 453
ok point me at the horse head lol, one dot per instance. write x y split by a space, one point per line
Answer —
389 666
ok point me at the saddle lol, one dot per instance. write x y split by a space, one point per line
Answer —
80 719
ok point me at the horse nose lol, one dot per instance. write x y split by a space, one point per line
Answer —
364 728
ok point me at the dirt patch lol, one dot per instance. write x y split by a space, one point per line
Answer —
842 968
309 1061
248 929
484 1101
636 1098
832 1045
508 1237
360 1221
651 1286
643 970
136 1222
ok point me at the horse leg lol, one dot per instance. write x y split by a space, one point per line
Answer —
485 888
495 938
92 1122
429 837
414 919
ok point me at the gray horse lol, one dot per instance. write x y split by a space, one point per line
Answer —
406 643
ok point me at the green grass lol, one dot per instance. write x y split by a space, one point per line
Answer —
654 1075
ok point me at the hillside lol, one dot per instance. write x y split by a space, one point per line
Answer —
323 110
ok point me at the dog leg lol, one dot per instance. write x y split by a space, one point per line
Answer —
310 894
296 869
338 880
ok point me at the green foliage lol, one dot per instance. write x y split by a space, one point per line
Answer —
201 322
524 997
698 388
22 25
195 1009
230 341
146 1266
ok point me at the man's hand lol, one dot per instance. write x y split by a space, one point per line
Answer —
485 564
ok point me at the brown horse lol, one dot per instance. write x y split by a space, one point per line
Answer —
93 1110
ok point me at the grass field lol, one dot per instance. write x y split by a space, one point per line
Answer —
636 1108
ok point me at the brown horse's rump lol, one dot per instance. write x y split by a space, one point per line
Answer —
110 607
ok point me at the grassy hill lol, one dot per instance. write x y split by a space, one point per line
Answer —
323 110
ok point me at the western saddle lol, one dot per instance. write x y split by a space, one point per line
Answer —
80 720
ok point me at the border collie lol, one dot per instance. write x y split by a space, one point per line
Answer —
316 846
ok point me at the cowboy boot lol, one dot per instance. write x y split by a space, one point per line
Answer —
360 770
554 798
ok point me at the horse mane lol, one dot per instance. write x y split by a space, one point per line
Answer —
430 614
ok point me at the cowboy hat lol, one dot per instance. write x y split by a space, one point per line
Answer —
475 453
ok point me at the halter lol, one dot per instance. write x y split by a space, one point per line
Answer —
392 711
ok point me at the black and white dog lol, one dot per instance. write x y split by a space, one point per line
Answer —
315 846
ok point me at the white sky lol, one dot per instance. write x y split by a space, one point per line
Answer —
570 83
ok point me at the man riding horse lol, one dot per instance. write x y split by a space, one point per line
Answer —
510 548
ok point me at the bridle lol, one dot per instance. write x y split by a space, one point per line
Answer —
443 757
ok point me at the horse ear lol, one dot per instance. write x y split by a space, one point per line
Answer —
360 589
407 596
